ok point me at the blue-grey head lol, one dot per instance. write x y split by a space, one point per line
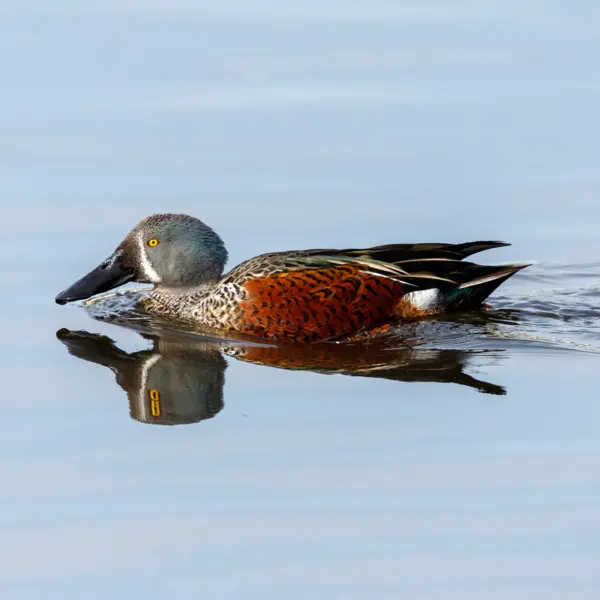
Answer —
176 252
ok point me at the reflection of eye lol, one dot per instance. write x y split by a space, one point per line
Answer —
154 402
153 242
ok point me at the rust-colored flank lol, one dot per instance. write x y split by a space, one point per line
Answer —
317 304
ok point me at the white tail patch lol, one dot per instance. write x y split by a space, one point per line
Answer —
424 299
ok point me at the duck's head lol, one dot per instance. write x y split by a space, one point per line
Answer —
177 252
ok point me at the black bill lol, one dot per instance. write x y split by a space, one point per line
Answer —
110 274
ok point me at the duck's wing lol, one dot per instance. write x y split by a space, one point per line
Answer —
324 267
416 266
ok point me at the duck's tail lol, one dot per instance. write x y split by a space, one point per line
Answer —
472 293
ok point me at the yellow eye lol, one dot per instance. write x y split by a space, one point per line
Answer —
153 242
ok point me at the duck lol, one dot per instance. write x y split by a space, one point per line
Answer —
302 296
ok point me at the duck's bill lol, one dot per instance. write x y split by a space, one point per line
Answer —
110 274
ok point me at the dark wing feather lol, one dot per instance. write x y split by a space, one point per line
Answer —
392 253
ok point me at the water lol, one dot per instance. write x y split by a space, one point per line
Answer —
460 459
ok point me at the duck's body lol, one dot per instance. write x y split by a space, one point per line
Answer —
316 295
301 296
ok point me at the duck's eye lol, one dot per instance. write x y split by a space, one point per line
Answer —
153 242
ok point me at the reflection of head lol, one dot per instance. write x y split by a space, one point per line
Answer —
175 389
166 385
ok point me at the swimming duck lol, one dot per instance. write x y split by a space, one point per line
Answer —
295 296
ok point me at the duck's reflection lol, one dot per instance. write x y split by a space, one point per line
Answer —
172 383
180 379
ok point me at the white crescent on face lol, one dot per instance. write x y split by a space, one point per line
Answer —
148 270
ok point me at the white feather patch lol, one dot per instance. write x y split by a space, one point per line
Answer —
424 299
149 272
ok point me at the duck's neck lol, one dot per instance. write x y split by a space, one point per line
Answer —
198 303
211 304
199 290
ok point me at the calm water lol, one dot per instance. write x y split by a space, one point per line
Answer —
461 460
